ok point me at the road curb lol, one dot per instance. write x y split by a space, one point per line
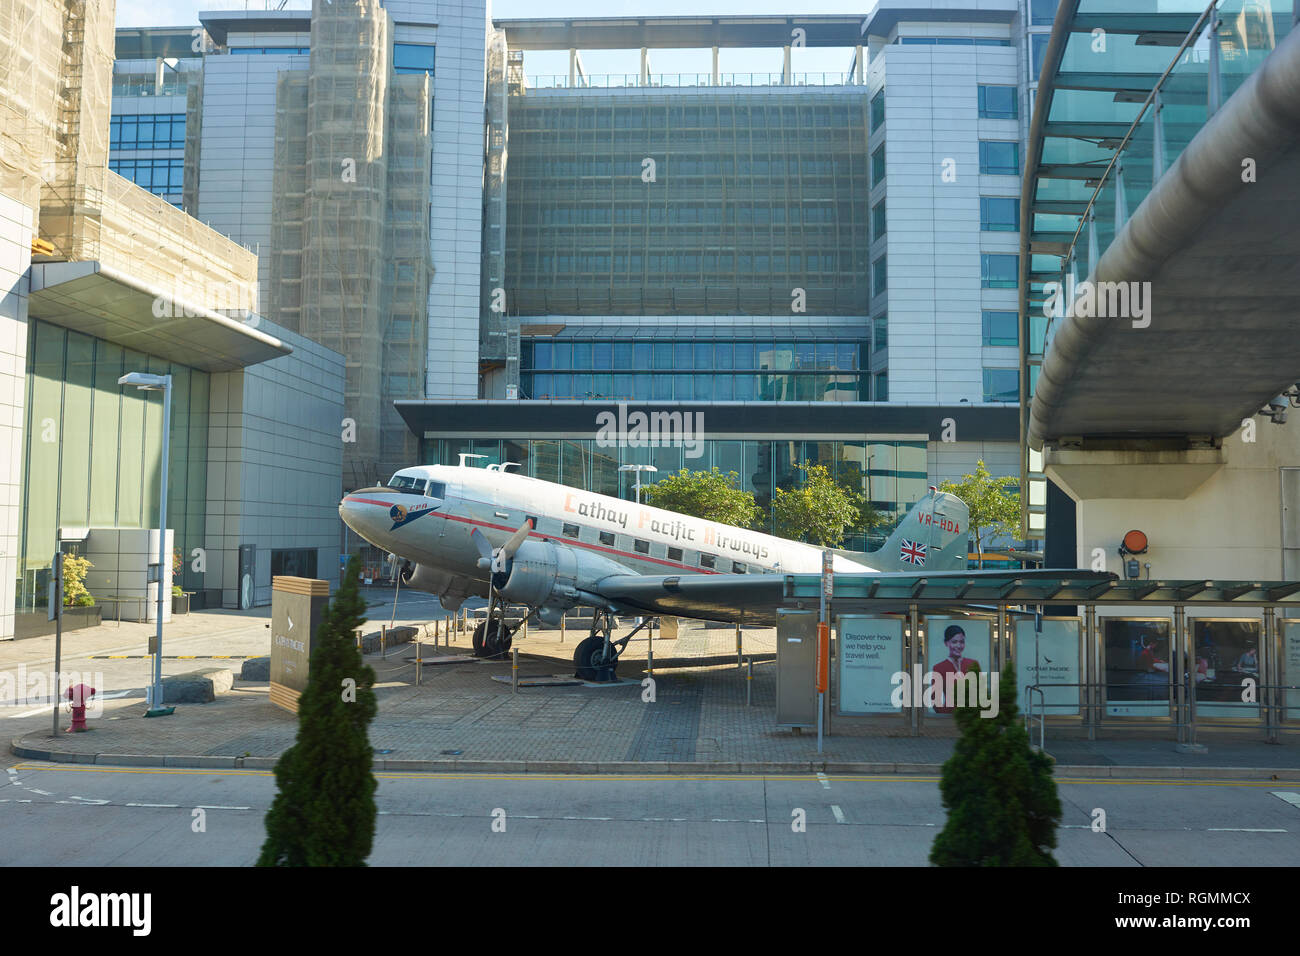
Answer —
649 767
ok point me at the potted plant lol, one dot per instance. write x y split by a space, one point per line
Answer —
180 599
76 597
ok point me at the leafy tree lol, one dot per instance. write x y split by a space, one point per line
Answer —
993 510
1001 799
820 508
851 475
74 581
711 495
324 811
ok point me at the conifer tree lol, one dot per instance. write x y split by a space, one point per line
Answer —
1001 799
324 811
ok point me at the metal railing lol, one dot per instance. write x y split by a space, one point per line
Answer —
560 81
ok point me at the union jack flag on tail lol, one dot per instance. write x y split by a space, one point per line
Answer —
913 552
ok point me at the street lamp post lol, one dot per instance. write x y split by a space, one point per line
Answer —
147 382
637 469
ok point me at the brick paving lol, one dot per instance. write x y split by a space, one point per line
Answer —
459 718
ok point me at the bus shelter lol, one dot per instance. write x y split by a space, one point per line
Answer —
1179 655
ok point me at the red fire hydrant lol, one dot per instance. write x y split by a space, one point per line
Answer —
79 694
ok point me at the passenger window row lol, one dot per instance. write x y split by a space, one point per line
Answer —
640 546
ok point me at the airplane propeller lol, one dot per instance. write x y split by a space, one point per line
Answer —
500 560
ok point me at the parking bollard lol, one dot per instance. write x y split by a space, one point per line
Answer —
749 684
739 660
514 670
383 640
650 652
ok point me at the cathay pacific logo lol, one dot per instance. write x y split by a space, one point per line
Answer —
75 909
403 515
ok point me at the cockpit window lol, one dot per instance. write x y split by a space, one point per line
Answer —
407 483
437 489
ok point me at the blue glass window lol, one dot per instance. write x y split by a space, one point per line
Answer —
1001 385
999 214
998 102
1000 328
999 159
413 58
999 271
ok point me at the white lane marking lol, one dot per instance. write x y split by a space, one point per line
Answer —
1289 796
839 814
203 806
88 801
30 713
159 806
43 793
1243 830
826 784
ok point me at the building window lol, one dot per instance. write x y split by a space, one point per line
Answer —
879 276
878 110
880 336
1001 385
999 271
1000 328
1038 50
999 159
413 58
147 131
882 387
162 177
878 166
878 220
270 49
1042 12
295 563
999 214
998 102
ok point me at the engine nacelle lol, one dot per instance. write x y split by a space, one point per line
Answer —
549 576
451 589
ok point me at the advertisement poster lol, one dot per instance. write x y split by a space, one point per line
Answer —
1225 655
871 653
1137 665
1291 665
1049 657
956 645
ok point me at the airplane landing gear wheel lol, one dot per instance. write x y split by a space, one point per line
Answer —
589 659
494 645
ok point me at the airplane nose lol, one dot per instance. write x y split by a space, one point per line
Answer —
364 511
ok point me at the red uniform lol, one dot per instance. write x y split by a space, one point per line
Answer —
943 669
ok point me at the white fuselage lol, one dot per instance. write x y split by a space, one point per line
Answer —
431 522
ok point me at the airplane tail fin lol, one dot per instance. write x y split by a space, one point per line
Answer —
933 536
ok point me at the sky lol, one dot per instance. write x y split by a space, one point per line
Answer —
158 13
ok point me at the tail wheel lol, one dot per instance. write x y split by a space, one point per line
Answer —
491 645
590 661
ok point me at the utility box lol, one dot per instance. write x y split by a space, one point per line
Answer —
796 668
297 606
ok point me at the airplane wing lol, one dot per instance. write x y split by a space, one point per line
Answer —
754 598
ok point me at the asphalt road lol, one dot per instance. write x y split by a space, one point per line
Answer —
99 816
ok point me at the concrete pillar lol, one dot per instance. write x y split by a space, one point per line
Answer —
785 66
1208 513
859 73
715 67
645 66
573 68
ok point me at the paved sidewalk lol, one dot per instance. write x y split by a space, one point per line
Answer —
460 719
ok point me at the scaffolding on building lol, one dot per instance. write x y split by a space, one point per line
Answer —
56 60
350 263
